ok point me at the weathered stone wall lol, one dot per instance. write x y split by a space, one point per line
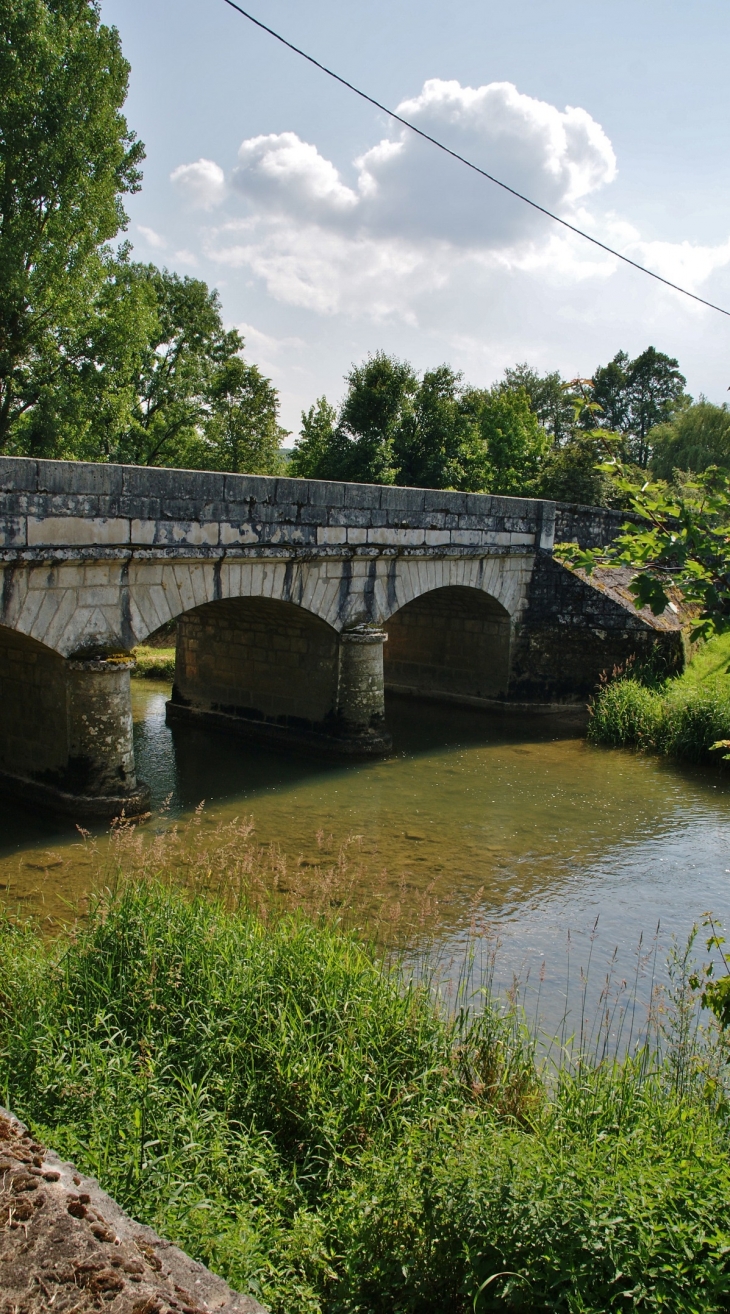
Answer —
33 712
574 628
588 526
66 728
454 642
257 659
57 504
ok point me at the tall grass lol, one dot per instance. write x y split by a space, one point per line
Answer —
297 1113
681 717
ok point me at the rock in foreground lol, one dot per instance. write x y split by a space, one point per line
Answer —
66 1246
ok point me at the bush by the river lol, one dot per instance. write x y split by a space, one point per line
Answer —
682 717
154 663
274 1097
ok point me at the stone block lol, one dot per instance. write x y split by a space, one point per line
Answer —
357 535
140 508
175 533
243 533
143 532
393 498
74 531
249 488
276 512
435 499
12 531
326 494
313 515
351 517
18 474
192 486
84 478
293 490
366 496
437 537
331 534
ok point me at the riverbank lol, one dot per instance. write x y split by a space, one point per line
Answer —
679 718
154 663
275 1098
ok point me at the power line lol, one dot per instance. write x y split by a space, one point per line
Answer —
469 164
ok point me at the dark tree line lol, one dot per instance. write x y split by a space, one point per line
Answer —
103 358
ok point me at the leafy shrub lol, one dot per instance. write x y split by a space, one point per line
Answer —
297 1115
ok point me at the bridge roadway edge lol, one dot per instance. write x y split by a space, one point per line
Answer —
95 558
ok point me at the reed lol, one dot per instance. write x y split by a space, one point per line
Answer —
310 1120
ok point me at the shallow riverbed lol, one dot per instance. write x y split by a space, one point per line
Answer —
511 824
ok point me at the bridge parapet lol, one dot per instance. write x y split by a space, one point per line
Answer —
71 506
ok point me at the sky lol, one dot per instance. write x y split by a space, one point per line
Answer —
331 232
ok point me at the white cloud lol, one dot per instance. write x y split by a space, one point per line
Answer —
281 173
264 342
203 183
185 257
409 236
152 238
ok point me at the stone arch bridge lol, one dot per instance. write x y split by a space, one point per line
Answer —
297 602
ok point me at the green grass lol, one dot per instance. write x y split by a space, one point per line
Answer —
154 663
272 1096
682 717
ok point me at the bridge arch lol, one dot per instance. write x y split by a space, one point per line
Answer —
275 669
451 642
342 591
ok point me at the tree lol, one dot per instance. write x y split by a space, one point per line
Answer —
321 450
241 432
571 474
176 372
440 446
515 444
378 406
697 437
635 396
85 405
67 158
551 399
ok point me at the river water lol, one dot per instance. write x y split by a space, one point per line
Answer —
512 827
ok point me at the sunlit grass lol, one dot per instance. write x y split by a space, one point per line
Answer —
296 1110
154 663
683 717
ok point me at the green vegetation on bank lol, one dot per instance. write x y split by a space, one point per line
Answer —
682 717
272 1096
154 663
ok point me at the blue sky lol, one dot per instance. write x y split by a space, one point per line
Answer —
331 233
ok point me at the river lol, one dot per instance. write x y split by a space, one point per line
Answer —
500 829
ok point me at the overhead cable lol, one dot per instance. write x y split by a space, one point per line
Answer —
469 163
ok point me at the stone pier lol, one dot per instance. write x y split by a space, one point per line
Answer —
66 730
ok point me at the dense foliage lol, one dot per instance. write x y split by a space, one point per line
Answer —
101 358
698 437
687 716
530 434
291 1111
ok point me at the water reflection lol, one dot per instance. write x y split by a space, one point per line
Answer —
517 821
